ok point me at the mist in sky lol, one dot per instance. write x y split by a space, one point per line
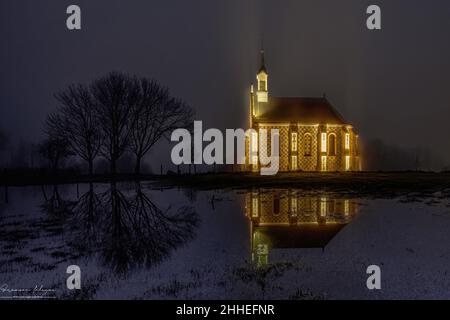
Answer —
391 84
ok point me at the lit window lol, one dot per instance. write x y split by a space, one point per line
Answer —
332 145
347 141
255 161
254 142
323 206
307 144
294 205
294 163
254 149
346 207
323 163
262 85
347 163
294 141
255 207
324 142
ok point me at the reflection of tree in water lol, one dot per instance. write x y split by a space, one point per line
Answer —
191 194
86 215
54 204
130 230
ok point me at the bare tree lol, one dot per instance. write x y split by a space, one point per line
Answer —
79 122
116 95
55 150
55 147
156 115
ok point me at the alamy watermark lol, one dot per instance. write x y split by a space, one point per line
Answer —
189 149
74 280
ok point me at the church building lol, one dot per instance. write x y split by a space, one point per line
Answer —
313 136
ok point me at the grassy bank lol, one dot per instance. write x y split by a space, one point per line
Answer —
361 183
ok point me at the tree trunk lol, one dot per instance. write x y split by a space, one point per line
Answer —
91 167
91 202
137 169
112 170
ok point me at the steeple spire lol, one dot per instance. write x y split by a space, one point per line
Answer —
262 77
262 67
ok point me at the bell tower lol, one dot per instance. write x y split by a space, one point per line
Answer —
262 85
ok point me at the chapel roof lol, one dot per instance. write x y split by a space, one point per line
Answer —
303 236
301 109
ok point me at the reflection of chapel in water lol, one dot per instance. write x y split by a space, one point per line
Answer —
289 219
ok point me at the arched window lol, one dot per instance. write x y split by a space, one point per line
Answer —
307 144
332 144
262 85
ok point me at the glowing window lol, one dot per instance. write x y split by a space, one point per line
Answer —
294 142
323 163
294 205
254 149
323 207
307 144
254 142
346 207
347 141
347 163
255 207
324 142
332 144
262 85
294 163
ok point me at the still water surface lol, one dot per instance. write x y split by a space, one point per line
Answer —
134 242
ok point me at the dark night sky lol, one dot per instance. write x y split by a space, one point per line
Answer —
391 84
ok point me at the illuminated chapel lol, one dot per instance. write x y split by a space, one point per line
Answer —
313 136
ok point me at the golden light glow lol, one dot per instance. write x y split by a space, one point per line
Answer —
323 206
294 206
262 93
308 144
255 204
262 81
254 149
323 145
323 163
294 142
346 207
262 96
347 141
254 142
294 163
316 146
